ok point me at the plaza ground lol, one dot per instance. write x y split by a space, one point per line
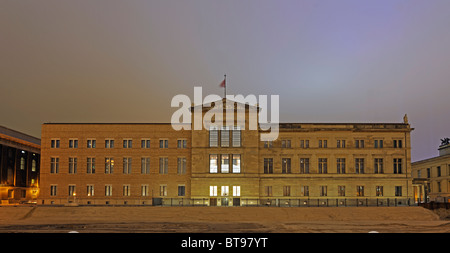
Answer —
150 219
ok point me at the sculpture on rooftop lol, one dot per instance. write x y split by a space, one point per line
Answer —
445 141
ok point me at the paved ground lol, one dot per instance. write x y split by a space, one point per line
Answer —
147 219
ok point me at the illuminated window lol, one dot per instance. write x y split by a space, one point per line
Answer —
225 163
236 191
213 191
213 164
341 190
108 190
144 190
163 190
109 165
359 191
225 190
379 191
53 189
72 191
126 190
90 190
236 163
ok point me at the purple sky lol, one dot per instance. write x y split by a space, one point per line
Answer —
329 61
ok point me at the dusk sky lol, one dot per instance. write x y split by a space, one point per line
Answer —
329 61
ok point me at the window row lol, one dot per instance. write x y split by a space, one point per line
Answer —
439 172
322 191
126 143
109 165
358 143
221 163
225 136
341 166
126 190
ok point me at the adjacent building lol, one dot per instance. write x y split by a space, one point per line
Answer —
431 177
19 167
310 164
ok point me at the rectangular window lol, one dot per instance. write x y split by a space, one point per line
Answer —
285 143
72 191
127 165
398 191
163 190
304 143
109 165
90 167
53 190
359 143
181 165
73 143
236 136
268 165
268 191
379 191
438 171
55 143
286 191
398 143
72 165
90 190
163 165
145 165
323 143
359 165
213 136
286 165
225 190
213 191
236 191
145 143
126 190
359 191
340 165
341 190
397 166
323 191
323 165
213 163
305 191
182 143
268 144
54 165
127 143
225 163
144 190
378 143
304 165
108 190
109 143
340 144
181 191
225 136
236 163
428 172
378 166
163 143
91 143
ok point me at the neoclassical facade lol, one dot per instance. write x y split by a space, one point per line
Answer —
311 164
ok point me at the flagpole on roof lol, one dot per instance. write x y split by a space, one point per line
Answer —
225 82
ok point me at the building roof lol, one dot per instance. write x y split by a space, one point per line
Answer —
11 134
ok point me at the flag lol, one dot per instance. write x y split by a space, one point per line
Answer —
222 84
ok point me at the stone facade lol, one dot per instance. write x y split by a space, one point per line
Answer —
309 164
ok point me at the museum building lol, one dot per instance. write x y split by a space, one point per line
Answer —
309 164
